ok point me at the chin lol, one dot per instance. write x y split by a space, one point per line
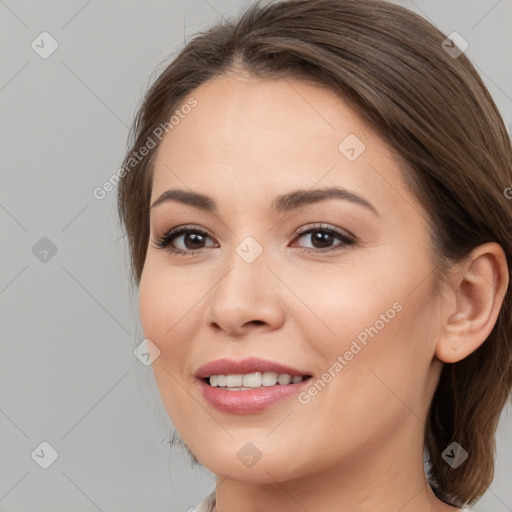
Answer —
252 462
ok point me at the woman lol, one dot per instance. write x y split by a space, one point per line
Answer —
315 198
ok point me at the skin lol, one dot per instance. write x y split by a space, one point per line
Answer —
357 445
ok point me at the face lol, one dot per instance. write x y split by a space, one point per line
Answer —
338 287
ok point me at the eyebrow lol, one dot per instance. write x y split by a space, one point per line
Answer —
281 204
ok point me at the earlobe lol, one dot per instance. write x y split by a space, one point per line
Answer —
477 291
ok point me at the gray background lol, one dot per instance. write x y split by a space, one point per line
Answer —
69 320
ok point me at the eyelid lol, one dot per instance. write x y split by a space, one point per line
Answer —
163 241
327 227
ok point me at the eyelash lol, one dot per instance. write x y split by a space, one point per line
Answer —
163 241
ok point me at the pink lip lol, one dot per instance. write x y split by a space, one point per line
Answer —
247 401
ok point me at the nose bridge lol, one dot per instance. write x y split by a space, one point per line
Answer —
246 272
245 293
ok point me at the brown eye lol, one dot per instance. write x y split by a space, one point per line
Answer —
190 240
323 237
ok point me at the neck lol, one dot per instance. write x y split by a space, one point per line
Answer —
382 476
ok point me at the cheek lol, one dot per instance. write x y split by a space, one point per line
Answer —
378 319
388 342
345 302
168 306
166 309
167 299
379 383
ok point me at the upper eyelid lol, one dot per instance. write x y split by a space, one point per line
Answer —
178 231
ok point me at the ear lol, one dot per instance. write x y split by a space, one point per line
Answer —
473 300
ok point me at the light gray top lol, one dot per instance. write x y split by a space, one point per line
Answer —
208 504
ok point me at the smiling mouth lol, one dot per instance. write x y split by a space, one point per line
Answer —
248 381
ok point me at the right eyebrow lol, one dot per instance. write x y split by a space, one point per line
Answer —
281 204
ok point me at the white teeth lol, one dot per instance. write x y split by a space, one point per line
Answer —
269 379
233 381
284 379
252 380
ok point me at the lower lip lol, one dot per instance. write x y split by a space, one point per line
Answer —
249 401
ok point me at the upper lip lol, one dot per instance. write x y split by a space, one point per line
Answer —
248 365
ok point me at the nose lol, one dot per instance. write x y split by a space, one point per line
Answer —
248 296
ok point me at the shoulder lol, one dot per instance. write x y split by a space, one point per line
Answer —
206 505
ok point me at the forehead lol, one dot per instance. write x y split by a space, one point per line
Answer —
244 113
262 136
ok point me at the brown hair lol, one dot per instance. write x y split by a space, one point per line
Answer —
434 111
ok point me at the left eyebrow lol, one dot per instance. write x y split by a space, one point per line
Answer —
299 198
283 203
